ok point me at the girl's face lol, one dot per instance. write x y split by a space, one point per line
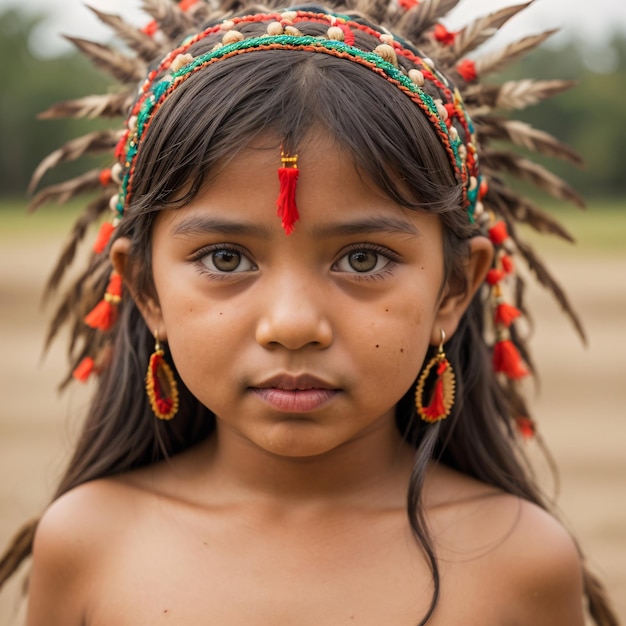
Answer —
298 343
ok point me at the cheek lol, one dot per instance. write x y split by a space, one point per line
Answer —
397 341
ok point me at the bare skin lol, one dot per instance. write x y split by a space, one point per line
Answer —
294 511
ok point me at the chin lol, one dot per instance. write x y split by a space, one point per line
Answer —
299 439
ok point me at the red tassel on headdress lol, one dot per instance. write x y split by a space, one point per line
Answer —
150 28
467 70
103 238
506 359
84 369
408 4
105 177
494 276
498 233
443 35
288 178
506 314
104 315
507 263
525 426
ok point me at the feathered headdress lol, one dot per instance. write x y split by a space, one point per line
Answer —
468 113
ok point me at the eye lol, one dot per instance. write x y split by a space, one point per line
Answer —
225 259
364 260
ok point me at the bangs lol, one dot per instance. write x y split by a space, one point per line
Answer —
283 96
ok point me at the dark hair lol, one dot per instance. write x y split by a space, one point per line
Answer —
283 96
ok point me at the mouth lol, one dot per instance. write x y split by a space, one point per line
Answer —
295 394
288 382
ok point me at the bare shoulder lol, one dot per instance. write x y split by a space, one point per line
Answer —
523 554
73 538
546 584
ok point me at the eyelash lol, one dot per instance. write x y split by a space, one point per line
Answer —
202 269
387 270
381 274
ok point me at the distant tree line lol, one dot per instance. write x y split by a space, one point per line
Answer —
590 117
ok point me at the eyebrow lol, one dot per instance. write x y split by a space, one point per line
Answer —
377 224
200 224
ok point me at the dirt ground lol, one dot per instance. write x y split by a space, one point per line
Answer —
580 405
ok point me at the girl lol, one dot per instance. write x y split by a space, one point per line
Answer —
328 429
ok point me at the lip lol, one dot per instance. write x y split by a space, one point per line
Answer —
295 394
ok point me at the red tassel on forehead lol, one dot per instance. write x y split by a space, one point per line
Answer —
288 178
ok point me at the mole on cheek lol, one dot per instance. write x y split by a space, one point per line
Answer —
377 345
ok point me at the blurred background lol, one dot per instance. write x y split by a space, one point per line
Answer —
580 400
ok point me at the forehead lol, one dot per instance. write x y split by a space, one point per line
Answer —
239 196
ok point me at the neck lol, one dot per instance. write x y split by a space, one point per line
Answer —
371 468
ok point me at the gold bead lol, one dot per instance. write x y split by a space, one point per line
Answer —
274 29
116 173
386 52
417 77
335 33
292 31
180 61
441 110
232 36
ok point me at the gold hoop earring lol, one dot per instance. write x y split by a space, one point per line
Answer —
161 386
442 395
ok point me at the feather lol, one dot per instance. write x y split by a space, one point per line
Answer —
121 67
523 93
201 13
423 16
496 61
144 45
481 30
93 143
82 295
533 172
523 211
172 22
90 215
91 107
524 135
514 94
537 267
63 192
545 278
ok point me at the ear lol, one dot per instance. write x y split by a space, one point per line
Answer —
454 303
148 306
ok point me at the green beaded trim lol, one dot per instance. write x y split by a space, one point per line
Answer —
161 90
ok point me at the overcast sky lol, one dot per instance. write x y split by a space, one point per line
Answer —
594 21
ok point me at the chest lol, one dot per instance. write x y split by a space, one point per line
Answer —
233 574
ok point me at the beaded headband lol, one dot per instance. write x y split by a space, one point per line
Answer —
449 108
283 34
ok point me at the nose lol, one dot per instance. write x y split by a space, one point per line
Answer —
294 315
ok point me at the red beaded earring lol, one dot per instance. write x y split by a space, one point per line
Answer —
161 385
442 395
